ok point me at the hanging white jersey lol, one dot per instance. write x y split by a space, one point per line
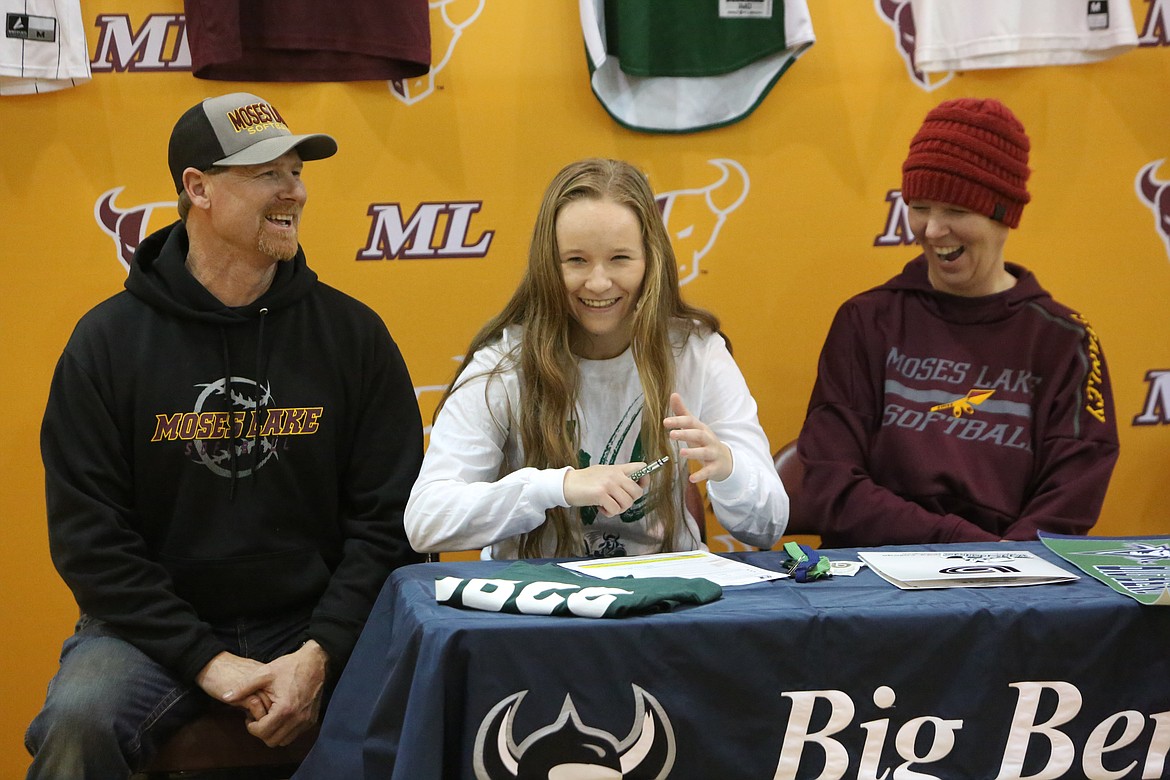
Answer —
43 48
966 35
677 66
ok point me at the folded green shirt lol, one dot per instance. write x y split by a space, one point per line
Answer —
548 589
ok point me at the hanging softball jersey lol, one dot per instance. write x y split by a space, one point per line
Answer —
678 66
965 35
308 40
44 48
548 589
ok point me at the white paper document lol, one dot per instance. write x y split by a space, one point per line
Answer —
964 569
696 563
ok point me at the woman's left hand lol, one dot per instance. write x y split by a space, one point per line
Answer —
700 443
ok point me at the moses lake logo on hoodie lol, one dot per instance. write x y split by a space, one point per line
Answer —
241 439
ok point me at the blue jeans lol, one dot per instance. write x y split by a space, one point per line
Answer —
110 706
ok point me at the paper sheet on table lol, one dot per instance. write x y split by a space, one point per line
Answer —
696 563
964 569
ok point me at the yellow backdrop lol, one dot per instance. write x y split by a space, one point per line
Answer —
777 220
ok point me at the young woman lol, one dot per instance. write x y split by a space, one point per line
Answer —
593 369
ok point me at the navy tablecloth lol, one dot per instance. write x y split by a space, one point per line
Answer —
843 678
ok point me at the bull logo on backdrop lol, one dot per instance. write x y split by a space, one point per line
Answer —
694 216
900 17
445 23
127 227
1156 195
567 749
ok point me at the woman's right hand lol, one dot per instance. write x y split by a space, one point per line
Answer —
609 488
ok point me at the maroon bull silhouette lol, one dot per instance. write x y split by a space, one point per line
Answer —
127 227
1156 195
900 16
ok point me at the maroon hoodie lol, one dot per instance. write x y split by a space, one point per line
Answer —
940 418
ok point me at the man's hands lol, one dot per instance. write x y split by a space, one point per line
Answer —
227 673
282 698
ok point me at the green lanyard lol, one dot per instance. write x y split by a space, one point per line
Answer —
805 563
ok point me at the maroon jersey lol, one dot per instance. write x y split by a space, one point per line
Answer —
307 40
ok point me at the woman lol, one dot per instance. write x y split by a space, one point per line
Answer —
594 368
958 402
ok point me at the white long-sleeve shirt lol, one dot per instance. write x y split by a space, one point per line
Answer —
470 493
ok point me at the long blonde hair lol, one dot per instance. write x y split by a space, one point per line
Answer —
547 366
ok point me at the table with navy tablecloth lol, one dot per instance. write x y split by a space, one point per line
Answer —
847 677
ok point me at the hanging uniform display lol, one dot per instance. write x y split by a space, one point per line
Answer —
676 66
961 35
305 40
43 48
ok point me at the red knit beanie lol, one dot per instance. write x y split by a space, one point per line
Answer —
970 153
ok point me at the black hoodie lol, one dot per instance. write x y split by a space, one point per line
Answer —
205 463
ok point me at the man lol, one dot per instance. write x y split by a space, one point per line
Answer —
228 445
958 402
